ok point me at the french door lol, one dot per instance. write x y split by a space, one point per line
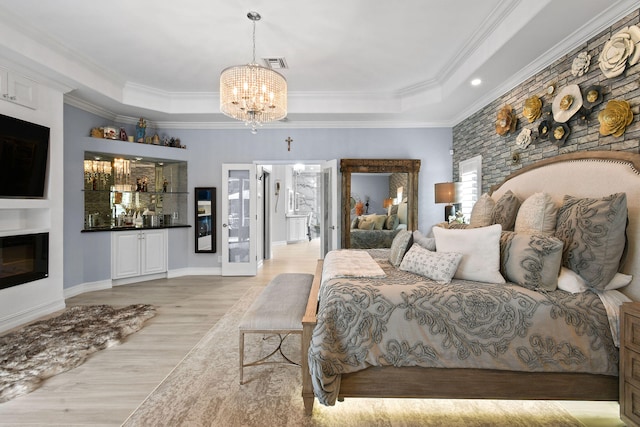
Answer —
239 224
329 220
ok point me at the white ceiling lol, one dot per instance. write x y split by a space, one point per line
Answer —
351 62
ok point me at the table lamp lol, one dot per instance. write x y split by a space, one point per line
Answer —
448 192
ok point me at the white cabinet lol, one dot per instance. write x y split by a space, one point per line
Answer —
138 253
296 228
18 89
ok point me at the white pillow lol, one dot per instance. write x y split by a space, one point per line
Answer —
537 214
480 248
438 266
571 281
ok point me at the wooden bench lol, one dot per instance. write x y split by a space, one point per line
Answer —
278 310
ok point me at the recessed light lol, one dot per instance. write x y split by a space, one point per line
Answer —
476 82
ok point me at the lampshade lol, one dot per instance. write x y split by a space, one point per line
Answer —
446 192
387 202
253 93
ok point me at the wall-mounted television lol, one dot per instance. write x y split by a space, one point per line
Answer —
24 151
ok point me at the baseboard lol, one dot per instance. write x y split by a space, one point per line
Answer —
86 287
27 316
137 279
204 271
179 272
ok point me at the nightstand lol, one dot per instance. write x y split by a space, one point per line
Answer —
630 363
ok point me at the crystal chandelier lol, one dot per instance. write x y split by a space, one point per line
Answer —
253 93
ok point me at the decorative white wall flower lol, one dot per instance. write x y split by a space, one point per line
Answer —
524 138
622 49
581 64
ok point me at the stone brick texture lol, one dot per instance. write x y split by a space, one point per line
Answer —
477 134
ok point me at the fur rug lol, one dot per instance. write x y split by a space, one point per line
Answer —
48 347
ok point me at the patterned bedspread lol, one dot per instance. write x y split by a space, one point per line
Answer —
408 320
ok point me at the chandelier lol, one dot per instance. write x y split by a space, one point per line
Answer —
253 93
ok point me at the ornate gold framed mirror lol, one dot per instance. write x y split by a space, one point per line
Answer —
411 167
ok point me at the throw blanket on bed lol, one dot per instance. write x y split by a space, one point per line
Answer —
408 320
350 263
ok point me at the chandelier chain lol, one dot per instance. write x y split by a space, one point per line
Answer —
254 42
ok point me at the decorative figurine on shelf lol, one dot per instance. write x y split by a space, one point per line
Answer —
165 184
156 139
97 133
145 183
138 184
123 134
140 130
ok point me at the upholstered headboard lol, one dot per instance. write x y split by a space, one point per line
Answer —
587 174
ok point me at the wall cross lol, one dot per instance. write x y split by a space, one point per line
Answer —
288 141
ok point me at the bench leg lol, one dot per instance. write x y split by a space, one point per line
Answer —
241 356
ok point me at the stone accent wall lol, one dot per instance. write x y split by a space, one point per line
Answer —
477 135
397 180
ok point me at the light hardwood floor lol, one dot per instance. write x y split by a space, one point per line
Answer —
109 386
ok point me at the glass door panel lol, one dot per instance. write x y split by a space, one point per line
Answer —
239 220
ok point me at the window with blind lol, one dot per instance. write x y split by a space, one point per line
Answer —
470 172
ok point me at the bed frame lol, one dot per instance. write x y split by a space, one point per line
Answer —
581 174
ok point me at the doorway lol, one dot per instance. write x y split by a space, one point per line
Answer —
293 207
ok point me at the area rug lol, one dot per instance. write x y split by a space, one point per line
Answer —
204 390
48 347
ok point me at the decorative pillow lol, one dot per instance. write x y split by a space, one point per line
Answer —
354 223
457 225
480 248
391 222
571 281
481 211
505 211
593 232
378 220
424 241
531 260
366 223
392 210
536 215
438 266
400 245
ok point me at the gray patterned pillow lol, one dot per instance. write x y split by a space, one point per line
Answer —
506 210
424 241
531 260
438 266
481 211
401 243
593 232
391 222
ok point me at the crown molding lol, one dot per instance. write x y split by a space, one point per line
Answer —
89 107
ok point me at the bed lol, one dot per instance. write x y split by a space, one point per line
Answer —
589 366
377 231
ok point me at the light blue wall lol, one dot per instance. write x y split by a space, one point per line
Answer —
372 186
87 258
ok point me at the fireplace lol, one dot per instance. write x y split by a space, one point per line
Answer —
23 258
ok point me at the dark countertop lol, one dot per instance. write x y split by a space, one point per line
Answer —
130 227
